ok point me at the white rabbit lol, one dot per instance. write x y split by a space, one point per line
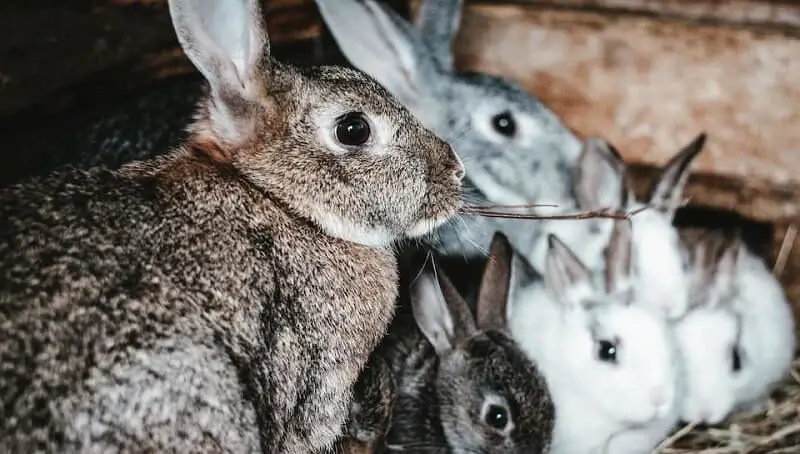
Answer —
601 182
738 339
611 365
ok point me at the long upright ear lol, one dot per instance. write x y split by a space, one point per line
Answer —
716 258
439 310
619 257
379 42
493 294
437 22
667 191
600 176
228 43
564 272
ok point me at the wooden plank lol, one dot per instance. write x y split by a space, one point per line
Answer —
778 13
650 85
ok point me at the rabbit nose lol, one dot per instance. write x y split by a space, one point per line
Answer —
459 172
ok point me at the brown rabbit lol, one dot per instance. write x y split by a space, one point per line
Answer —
224 297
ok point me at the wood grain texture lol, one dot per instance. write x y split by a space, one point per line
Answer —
781 13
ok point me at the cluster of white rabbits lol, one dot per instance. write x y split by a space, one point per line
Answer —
635 324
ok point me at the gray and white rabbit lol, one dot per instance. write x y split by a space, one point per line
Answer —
463 384
738 338
223 297
515 150
602 182
611 364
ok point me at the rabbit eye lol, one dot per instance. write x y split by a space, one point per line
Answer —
607 351
504 124
352 130
737 359
496 417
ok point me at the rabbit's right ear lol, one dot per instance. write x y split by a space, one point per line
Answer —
564 272
495 287
438 21
380 43
439 310
227 42
600 177
619 259
716 258
667 191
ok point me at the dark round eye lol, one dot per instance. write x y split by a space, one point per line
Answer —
737 359
352 130
607 351
496 417
504 124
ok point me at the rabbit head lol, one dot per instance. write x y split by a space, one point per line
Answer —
710 334
491 397
329 143
617 349
515 150
601 182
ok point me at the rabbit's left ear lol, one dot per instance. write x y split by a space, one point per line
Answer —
227 41
667 192
439 310
495 287
437 22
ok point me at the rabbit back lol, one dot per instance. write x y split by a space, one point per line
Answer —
103 270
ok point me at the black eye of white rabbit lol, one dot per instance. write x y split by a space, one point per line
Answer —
736 359
607 351
505 124
496 414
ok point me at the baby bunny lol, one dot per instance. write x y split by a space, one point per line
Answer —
464 386
515 150
601 182
611 365
738 340
223 297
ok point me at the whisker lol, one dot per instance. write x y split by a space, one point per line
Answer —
591 214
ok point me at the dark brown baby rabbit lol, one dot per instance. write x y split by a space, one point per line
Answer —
224 297
462 384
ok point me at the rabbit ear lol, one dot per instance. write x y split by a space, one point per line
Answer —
495 285
227 42
437 22
667 191
600 176
439 310
619 257
716 261
380 43
564 271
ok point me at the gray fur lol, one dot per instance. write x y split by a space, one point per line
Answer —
205 300
533 166
442 384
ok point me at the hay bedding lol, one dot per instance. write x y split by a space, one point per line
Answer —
774 430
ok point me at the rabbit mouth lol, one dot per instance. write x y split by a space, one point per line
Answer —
425 226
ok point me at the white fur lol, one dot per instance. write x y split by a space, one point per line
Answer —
628 407
349 230
707 333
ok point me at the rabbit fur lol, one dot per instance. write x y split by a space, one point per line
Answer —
515 150
611 364
451 368
738 338
601 181
223 297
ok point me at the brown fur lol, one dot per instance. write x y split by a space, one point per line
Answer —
207 300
